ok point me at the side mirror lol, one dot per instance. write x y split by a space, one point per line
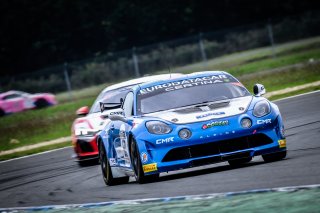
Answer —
258 90
109 106
83 111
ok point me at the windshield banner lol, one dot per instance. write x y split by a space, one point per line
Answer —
171 86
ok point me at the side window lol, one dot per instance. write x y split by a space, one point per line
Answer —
128 105
11 96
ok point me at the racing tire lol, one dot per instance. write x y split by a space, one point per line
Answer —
106 169
137 165
2 113
275 156
239 162
41 103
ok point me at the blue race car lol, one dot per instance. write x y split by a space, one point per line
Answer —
200 118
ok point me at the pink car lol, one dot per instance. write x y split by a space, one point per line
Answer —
16 101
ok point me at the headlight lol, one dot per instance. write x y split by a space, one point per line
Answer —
246 123
158 127
185 134
261 108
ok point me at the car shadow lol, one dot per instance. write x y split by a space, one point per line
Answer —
203 171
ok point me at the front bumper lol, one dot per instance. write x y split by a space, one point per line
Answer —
213 145
85 147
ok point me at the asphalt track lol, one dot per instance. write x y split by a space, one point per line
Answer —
54 178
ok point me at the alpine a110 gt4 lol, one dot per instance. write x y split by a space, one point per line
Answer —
193 120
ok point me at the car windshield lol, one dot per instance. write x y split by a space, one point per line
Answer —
111 96
189 92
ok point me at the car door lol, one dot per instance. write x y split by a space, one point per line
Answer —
14 102
119 131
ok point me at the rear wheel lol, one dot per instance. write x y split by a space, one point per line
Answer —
137 165
238 162
275 156
2 113
41 103
106 169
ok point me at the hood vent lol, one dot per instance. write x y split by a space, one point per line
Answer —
189 110
202 108
219 105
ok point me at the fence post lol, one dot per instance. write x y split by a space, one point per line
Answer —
270 32
135 62
202 50
67 79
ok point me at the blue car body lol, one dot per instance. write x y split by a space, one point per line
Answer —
213 131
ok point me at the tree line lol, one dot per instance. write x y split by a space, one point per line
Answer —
40 33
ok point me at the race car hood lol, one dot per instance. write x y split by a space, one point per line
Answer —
205 112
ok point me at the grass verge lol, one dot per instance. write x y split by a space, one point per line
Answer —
35 126
306 90
284 78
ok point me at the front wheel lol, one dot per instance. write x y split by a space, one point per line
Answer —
106 169
274 156
137 165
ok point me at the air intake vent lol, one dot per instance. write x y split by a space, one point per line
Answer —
218 147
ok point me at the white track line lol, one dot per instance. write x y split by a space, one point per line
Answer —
40 153
295 96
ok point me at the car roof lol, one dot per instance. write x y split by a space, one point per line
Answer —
186 76
9 93
144 79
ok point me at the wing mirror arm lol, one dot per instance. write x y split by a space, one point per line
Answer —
118 118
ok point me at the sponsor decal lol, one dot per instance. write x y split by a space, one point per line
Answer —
116 113
165 140
112 161
215 123
266 121
144 157
215 134
241 108
210 114
171 86
150 167
282 143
